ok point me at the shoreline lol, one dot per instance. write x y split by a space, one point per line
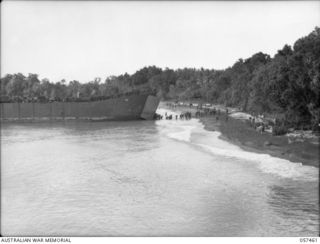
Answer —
276 146
238 132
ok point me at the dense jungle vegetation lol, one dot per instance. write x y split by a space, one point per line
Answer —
286 85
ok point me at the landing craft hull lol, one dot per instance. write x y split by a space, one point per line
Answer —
133 107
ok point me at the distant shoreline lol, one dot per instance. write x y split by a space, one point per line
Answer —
241 134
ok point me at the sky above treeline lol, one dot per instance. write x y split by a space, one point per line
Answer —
81 40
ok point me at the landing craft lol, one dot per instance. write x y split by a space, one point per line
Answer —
125 107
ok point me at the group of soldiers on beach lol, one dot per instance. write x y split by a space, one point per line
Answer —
185 115
256 122
199 113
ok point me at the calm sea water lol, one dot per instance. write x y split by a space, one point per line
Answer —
148 178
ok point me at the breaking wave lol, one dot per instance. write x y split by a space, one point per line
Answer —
188 131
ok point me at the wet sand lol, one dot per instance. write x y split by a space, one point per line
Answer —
241 134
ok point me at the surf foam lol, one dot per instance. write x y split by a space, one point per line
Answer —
183 130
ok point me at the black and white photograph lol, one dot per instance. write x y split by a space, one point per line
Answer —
160 119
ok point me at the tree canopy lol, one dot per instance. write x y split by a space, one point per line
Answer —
287 84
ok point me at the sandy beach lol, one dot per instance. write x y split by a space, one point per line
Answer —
239 132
